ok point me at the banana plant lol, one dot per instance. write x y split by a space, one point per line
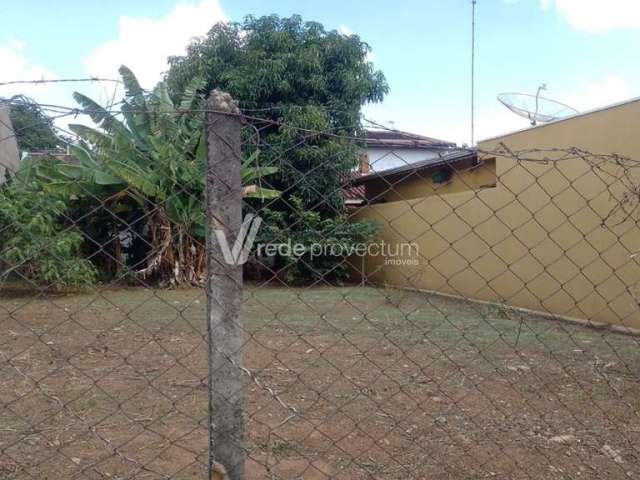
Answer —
152 161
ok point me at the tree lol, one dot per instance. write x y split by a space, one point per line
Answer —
274 62
147 171
303 80
34 130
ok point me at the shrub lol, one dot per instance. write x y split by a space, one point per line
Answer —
306 227
35 245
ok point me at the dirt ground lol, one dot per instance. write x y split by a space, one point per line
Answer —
370 384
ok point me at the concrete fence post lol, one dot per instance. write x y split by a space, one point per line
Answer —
224 290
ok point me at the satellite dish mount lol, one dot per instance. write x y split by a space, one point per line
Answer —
534 107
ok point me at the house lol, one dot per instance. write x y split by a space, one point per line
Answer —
450 171
387 149
9 157
398 158
542 219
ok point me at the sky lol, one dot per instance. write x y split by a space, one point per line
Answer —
585 51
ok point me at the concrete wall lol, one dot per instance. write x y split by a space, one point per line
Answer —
537 240
9 158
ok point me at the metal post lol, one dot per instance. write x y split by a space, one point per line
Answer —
224 291
473 71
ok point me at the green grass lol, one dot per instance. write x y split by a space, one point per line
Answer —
401 317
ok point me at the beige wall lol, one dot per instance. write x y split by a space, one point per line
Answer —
8 146
537 240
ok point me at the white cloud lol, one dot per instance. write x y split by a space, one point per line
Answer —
344 30
598 15
17 66
143 44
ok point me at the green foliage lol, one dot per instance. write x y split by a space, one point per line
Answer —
147 170
35 244
272 61
306 79
326 240
34 130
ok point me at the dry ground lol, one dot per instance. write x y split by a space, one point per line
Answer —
386 385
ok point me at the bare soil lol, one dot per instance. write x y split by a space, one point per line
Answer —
350 383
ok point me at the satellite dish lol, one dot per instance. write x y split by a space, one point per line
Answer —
534 107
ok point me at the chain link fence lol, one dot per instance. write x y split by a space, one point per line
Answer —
395 307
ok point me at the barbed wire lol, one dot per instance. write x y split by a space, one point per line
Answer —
45 81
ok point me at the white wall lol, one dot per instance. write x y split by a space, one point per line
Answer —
385 158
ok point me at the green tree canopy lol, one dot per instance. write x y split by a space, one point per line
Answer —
276 62
34 129
302 79
296 73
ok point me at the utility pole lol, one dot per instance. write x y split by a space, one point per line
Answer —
473 69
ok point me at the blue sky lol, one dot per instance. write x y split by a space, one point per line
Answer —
584 50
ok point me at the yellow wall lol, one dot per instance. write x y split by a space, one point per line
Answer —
418 185
536 240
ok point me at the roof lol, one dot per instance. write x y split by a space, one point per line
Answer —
350 192
354 195
446 158
563 119
398 139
